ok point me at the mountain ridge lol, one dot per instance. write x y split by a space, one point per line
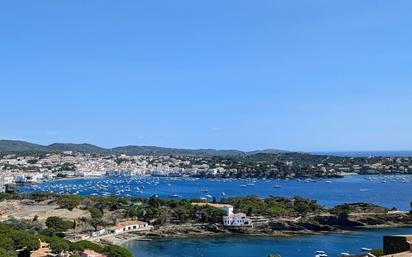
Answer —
13 146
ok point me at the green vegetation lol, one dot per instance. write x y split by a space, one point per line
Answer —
358 208
116 251
163 211
57 224
274 206
13 240
69 201
377 252
106 211
95 213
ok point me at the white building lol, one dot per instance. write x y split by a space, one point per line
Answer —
128 226
6 179
98 232
34 178
231 219
237 219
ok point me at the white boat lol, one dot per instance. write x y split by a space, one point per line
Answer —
364 249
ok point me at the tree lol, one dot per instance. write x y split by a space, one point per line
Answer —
7 253
24 240
84 244
69 201
377 252
154 202
116 251
249 211
57 244
58 224
135 211
95 213
6 242
182 213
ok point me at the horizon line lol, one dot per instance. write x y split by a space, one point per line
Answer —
211 148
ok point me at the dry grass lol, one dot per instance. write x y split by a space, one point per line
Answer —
29 209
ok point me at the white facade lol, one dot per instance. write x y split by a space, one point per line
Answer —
231 219
6 179
129 226
238 219
98 232
228 209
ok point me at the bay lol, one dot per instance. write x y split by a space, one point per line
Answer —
389 191
298 246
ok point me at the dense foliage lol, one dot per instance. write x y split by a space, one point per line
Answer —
273 206
58 224
163 211
13 239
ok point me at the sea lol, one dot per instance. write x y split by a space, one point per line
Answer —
392 191
297 246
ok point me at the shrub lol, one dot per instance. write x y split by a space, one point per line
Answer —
58 224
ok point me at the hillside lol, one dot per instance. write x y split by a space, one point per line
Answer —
83 148
20 146
12 146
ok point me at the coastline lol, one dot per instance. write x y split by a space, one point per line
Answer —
133 236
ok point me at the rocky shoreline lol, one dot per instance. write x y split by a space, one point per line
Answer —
325 223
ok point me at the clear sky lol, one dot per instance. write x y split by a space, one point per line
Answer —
299 75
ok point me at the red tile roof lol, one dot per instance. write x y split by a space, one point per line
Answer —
89 252
128 223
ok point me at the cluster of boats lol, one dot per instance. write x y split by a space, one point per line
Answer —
119 186
175 187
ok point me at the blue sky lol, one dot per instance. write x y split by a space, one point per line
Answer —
297 75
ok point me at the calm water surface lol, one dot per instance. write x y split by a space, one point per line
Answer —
388 191
299 246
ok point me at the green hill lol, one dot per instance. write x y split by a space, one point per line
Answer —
13 146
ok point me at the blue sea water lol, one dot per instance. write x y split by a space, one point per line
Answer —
389 191
298 246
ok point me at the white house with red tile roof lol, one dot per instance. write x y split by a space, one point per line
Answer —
129 226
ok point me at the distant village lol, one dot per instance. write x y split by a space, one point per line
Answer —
15 169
